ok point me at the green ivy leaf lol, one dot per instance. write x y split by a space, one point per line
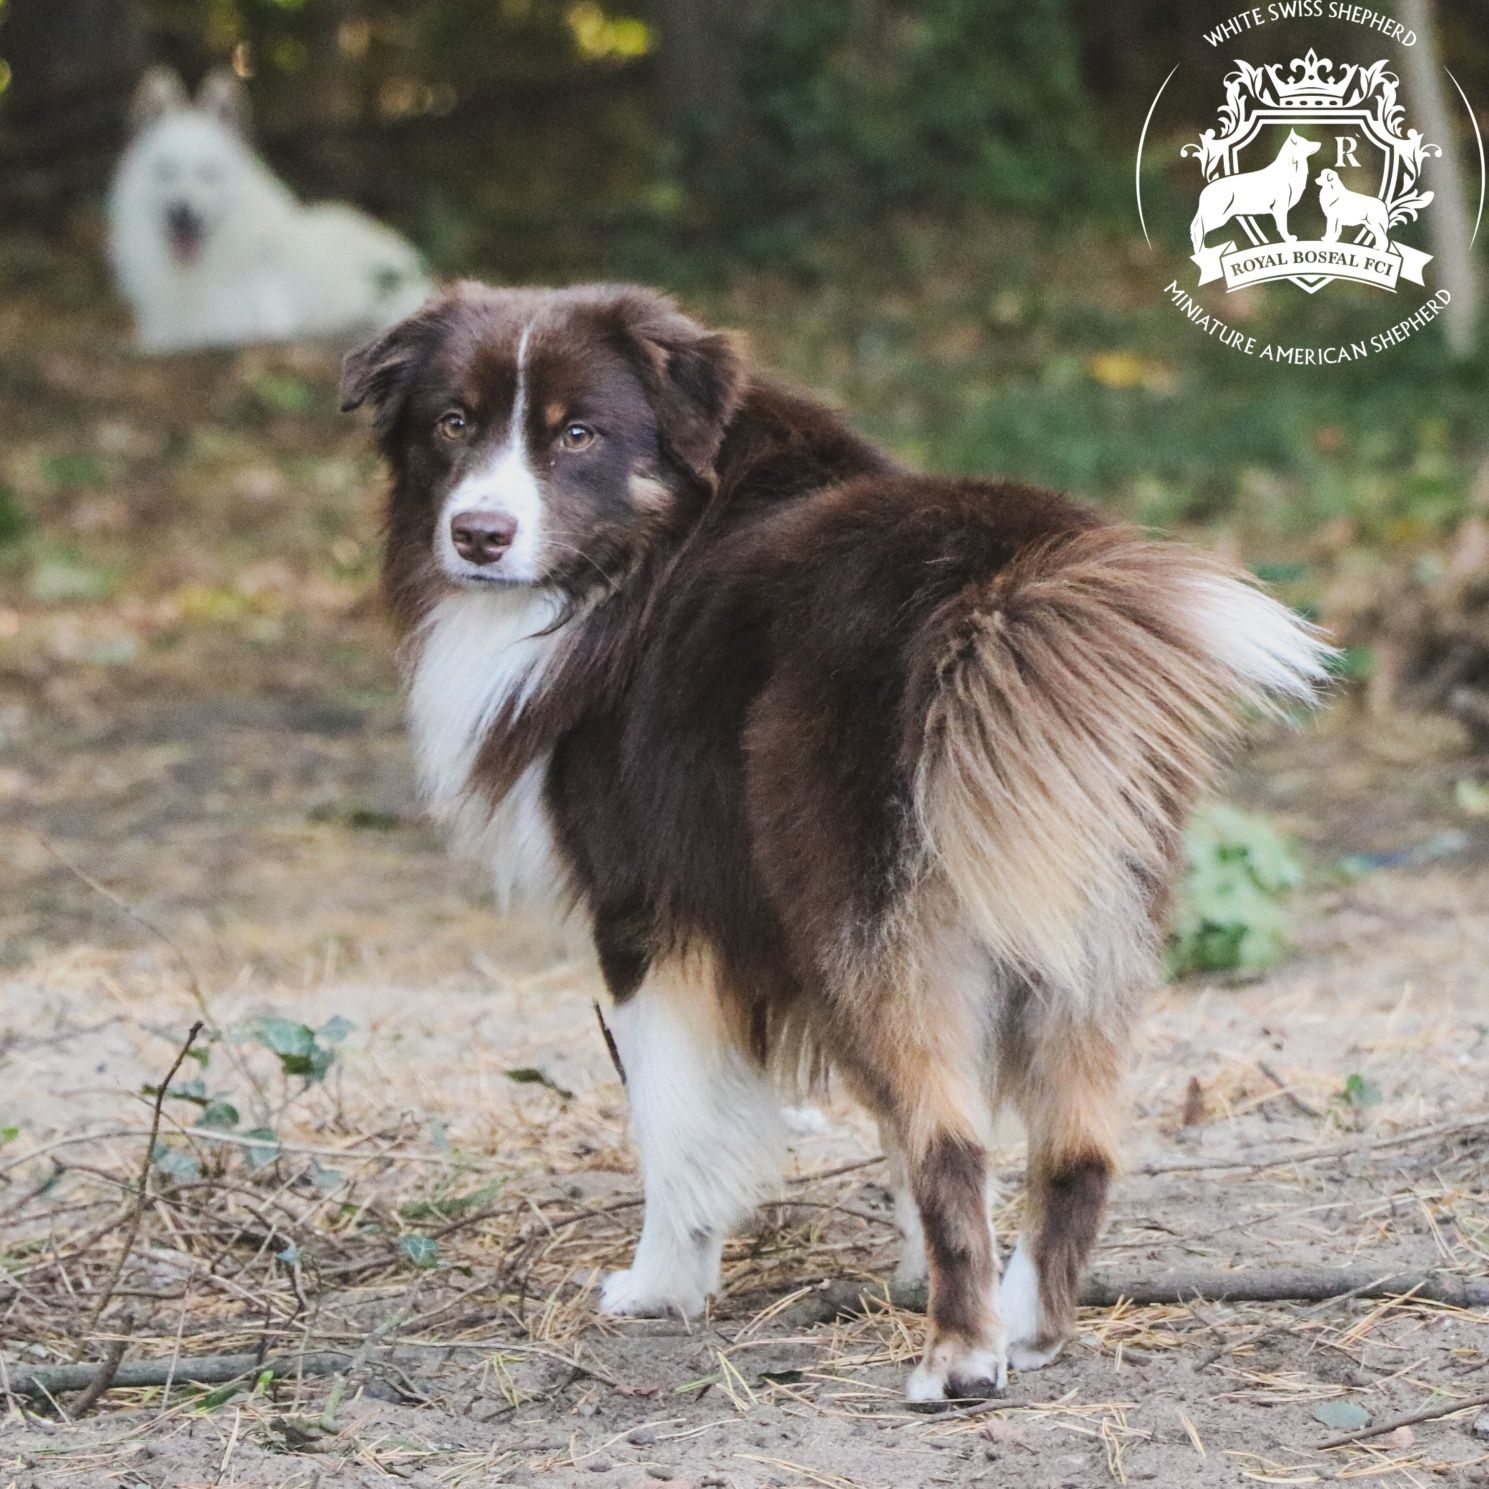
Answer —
420 1250
1360 1093
1343 1416
221 1114
298 1046
1232 911
327 1180
264 1148
335 1029
175 1163
529 1075
284 1036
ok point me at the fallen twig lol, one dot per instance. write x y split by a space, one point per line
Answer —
360 1358
610 1043
216 1370
101 1381
206 1370
1287 1093
1260 1285
239 1140
1313 1155
142 1184
1410 1419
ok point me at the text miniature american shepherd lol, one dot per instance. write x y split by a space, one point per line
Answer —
211 249
848 768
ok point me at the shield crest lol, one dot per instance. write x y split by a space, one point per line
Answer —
1327 143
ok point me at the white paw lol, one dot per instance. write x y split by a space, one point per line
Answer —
957 1372
628 1295
1024 1356
1018 1308
1018 1296
806 1121
911 1270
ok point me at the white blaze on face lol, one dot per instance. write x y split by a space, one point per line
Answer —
507 485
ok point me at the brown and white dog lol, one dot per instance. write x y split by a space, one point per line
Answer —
848 768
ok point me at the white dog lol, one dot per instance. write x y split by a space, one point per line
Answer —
1345 208
1273 192
211 249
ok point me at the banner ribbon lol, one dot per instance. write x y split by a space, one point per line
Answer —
1312 259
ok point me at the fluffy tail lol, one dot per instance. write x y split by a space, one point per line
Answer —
1080 701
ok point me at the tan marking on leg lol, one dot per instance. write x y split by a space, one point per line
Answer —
1068 1095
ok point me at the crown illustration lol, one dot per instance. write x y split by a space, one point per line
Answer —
1312 81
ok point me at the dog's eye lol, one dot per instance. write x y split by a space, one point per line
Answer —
451 425
576 437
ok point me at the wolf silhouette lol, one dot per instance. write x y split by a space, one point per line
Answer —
1273 192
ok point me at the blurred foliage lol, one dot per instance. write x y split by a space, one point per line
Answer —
13 520
1232 911
856 113
539 131
923 209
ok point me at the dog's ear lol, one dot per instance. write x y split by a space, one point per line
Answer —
159 92
380 371
691 375
223 95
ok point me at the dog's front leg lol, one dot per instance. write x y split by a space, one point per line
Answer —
708 1127
1280 218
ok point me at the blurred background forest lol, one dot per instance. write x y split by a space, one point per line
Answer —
928 207
923 210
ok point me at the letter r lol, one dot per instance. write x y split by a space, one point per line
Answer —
1347 144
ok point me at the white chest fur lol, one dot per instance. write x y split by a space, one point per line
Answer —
478 654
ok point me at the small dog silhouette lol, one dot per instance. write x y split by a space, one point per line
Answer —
1345 208
1273 192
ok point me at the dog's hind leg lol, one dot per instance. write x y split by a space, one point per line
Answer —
912 1040
911 1267
707 1123
1197 231
1063 1074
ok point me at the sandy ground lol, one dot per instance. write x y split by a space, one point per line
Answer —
275 843
205 814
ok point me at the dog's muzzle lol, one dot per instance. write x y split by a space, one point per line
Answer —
185 231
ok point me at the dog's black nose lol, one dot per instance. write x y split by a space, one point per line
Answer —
482 537
185 230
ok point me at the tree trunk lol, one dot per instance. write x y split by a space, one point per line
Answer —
1450 223
703 52
332 104
74 64
699 68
